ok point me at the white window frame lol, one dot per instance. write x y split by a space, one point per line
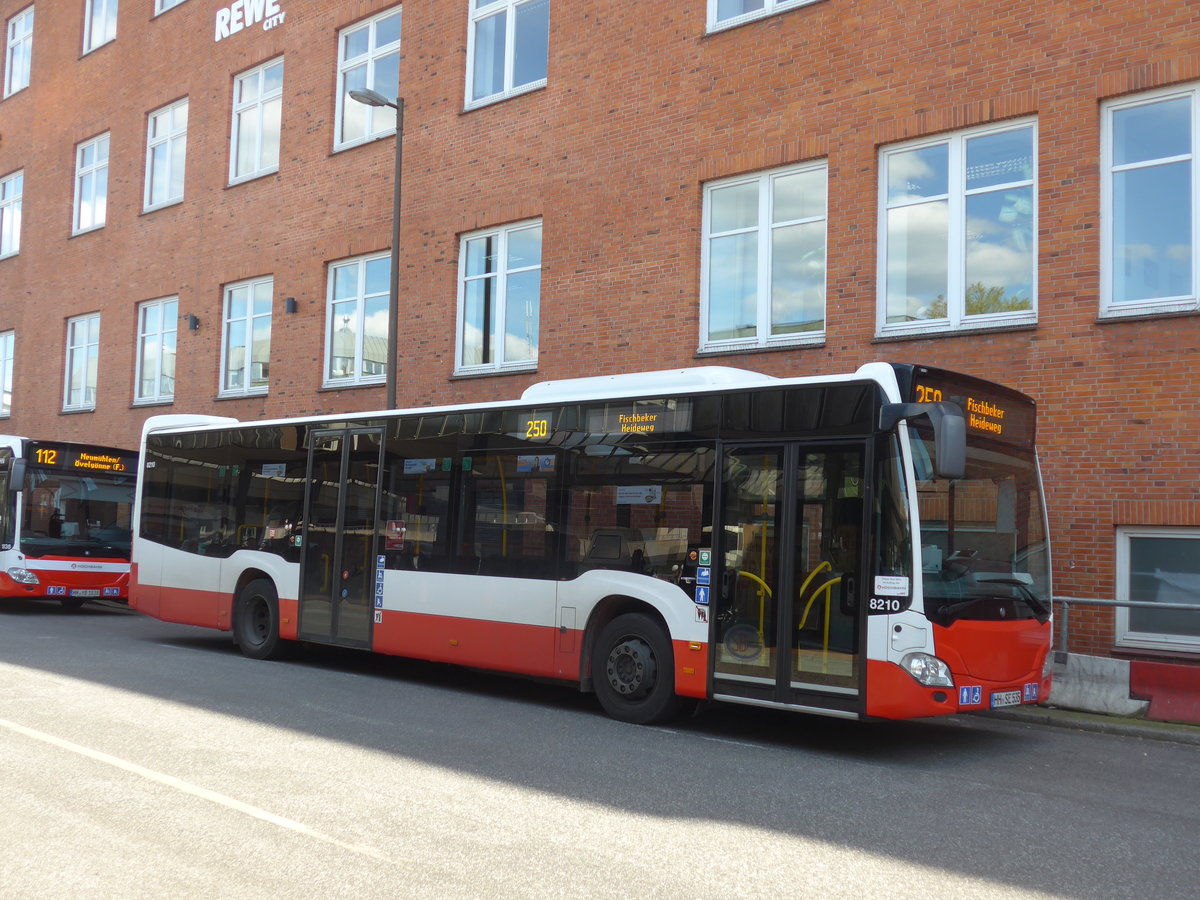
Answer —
10 213
480 10
1183 303
361 297
957 320
247 388
174 139
161 6
262 167
502 274
168 318
369 58
763 228
770 8
18 53
89 179
8 342
1144 640
99 14
83 356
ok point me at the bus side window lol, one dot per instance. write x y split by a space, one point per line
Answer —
414 517
508 529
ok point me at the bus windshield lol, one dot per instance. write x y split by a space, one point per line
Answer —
983 537
67 513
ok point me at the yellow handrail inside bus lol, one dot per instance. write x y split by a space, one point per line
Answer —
826 589
764 591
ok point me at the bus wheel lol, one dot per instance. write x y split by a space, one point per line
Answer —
633 671
256 623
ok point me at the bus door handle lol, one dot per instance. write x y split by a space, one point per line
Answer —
849 599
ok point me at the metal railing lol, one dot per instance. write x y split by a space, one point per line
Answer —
1062 619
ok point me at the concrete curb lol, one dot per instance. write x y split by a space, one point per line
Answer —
1102 724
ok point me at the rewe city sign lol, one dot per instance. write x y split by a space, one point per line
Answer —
243 13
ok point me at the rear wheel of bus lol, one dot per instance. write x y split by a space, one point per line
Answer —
256 620
633 670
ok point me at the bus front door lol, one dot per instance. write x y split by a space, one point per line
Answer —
788 564
338 565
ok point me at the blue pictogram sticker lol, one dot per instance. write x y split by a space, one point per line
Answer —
970 695
704 575
112 592
56 590
1030 693
702 595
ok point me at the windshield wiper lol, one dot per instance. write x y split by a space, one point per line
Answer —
1041 611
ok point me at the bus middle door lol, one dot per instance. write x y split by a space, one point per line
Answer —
338 567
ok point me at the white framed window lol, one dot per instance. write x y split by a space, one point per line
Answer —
763 259
257 117
508 47
11 190
166 154
499 298
1158 565
356 324
18 51
157 326
1150 204
83 360
8 342
161 6
728 13
368 58
246 337
99 23
91 184
958 231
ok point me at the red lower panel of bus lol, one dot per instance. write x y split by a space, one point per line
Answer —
994 664
544 652
540 651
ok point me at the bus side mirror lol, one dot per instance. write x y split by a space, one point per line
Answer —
16 476
949 432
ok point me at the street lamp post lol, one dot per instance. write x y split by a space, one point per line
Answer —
374 98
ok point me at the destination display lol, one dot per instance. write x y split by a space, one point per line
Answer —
988 413
641 417
80 459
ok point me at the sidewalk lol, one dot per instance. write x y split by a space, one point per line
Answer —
1126 726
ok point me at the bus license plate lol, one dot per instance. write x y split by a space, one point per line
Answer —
85 592
1006 698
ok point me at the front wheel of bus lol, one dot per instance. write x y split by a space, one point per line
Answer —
256 626
633 671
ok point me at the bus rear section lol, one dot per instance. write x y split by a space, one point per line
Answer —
65 520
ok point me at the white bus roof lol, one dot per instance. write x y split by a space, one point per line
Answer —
667 382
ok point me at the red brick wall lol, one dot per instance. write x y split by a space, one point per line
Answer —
641 108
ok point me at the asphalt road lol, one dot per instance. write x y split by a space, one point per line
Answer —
142 759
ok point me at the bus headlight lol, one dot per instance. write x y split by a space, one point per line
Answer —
22 576
928 670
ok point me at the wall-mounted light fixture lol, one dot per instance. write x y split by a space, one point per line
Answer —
289 304
193 322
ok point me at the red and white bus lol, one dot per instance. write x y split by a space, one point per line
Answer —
871 545
65 514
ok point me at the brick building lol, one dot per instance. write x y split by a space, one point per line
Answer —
195 217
